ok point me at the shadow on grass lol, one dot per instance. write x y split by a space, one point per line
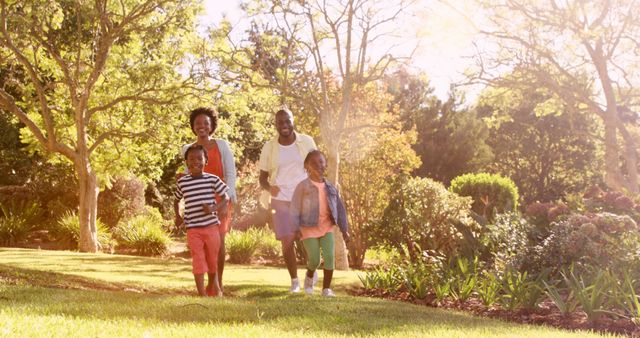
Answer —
249 303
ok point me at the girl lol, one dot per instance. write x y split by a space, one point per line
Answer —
315 207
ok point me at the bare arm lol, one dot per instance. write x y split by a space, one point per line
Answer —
264 183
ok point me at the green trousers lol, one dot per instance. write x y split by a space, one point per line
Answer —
313 247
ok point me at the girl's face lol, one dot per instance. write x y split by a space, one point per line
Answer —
202 126
316 166
196 162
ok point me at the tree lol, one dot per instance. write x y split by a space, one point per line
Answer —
374 159
338 38
100 86
451 139
584 52
546 149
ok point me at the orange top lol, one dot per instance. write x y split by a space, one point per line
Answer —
324 220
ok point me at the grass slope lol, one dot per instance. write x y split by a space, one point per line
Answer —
54 293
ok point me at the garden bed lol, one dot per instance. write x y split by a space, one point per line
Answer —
544 314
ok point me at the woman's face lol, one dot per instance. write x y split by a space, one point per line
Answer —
202 126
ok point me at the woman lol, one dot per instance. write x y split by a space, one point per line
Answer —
221 163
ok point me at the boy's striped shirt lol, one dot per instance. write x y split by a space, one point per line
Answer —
197 191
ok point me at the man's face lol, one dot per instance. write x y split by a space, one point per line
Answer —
196 162
284 124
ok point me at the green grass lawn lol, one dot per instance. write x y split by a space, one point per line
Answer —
59 293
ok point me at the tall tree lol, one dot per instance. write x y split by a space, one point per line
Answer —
585 52
451 139
100 85
546 149
339 38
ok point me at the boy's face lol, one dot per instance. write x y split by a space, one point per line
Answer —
316 166
202 126
196 162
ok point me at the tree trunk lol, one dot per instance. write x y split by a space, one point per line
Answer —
631 159
88 189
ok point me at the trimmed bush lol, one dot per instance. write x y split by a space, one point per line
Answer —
268 246
16 221
67 230
491 193
144 234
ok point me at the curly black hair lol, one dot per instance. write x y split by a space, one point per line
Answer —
311 154
209 112
195 147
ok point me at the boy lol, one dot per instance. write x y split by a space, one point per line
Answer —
199 190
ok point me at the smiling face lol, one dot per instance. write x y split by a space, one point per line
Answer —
315 165
196 159
202 126
284 123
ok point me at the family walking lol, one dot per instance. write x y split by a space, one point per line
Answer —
303 204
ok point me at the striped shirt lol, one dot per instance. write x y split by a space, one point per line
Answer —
196 192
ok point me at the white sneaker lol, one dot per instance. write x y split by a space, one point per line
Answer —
308 285
328 293
295 285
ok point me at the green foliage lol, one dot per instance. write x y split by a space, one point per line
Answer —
590 292
242 245
268 246
548 148
464 276
519 289
16 221
491 193
564 304
505 239
383 155
488 288
388 279
67 230
419 278
144 234
603 240
424 216
123 200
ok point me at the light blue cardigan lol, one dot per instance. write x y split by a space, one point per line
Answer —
228 165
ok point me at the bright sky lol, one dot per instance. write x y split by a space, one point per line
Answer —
445 39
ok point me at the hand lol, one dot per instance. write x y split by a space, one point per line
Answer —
208 208
274 190
346 237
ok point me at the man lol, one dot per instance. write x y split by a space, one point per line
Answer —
281 169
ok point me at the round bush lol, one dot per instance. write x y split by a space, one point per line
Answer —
491 193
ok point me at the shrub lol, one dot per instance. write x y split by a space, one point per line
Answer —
144 234
122 201
241 245
67 230
424 216
268 246
16 221
505 239
491 193
603 240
